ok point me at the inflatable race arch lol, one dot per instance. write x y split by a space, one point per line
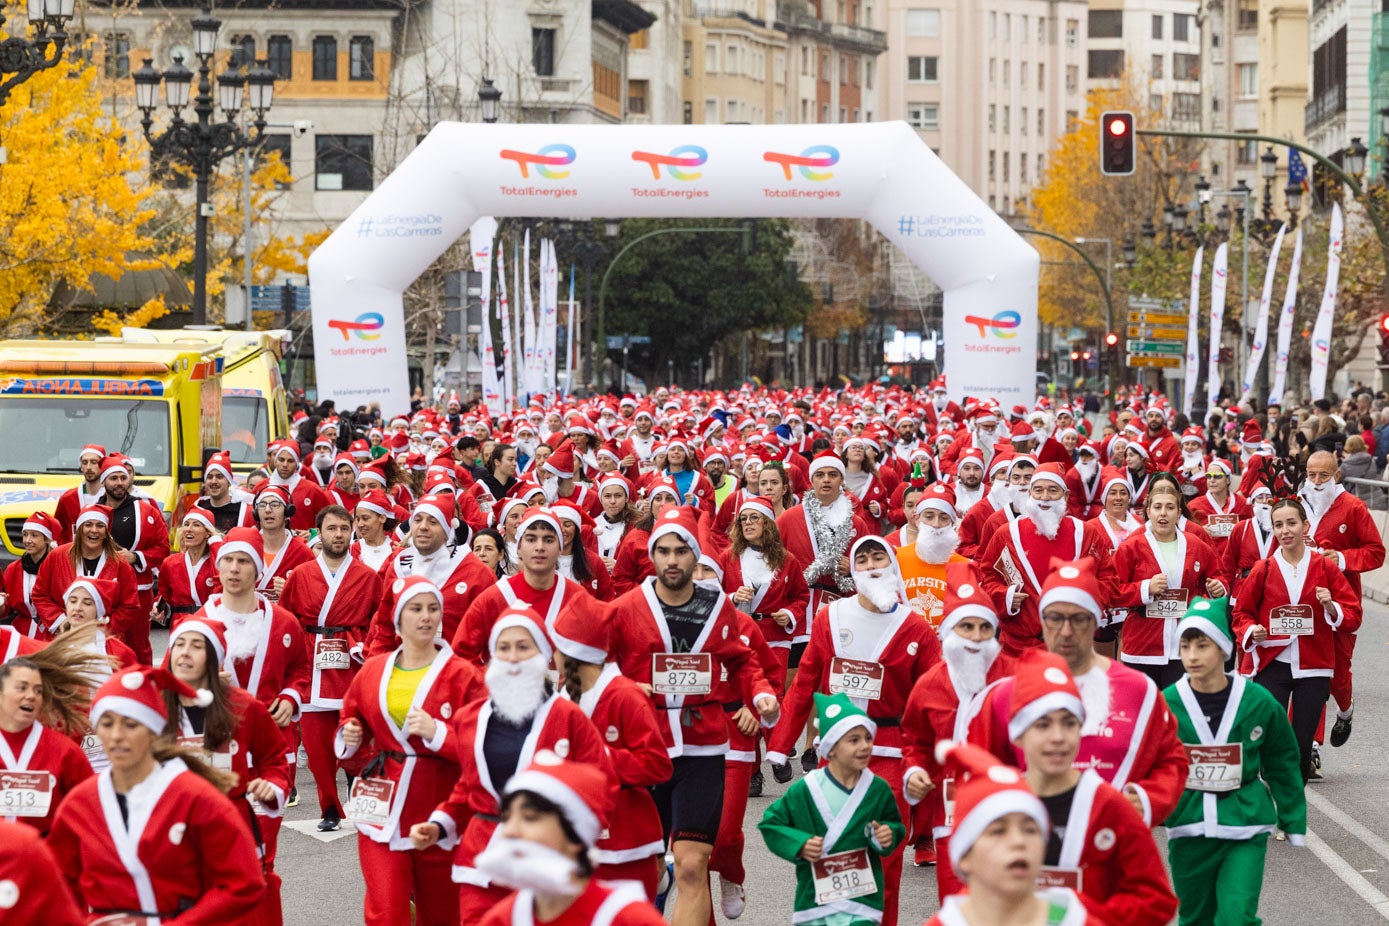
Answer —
879 172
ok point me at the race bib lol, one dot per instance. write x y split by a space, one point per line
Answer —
370 801
856 678
331 653
689 674
1007 568
26 794
1050 877
947 796
220 760
1169 604
842 876
1215 768
1220 525
92 747
121 919
1292 620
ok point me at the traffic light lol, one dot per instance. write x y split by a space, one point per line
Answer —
1111 339
1384 341
1117 144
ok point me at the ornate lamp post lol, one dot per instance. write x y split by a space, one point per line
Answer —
490 99
21 58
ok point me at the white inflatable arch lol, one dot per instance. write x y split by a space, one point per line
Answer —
881 172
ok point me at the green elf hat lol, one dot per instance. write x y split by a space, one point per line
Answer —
1210 616
836 715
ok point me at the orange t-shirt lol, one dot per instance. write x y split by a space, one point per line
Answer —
925 583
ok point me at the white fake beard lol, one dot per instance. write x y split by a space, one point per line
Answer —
1264 515
1045 515
551 489
1193 460
1094 697
1318 497
526 865
882 587
935 544
1088 469
322 460
1019 495
940 402
517 689
1001 493
1245 453
986 439
527 447
969 662
243 637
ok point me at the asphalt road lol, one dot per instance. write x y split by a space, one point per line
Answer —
1342 878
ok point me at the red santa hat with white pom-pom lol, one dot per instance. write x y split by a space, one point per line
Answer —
138 693
990 791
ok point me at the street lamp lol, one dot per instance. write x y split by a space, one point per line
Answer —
1268 164
1130 252
1355 157
491 99
22 58
204 144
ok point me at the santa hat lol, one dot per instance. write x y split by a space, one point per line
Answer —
938 497
1049 472
348 460
111 465
972 455
138 694
826 459
285 446
538 515
566 509
882 542
561 462
1001 462
760 504
1021 431
579 790
323 441
990 791
376 500
92 450
613 479
441 508
503 510
578 636
984 415
202 516
1110 476
410 587
244 540
835 716
1042 683
275 492
1073 583
102 591
1138 447
214 630
1212 618
965 597
93 513
44 523
520 615
664 485
679 521
1252 433
220 462
372 474
438 481
1193 433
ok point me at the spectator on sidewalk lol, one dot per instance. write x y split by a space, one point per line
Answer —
1358 464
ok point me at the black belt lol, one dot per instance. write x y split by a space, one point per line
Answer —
185 608
887 721
488 817
327 628
733 706
377 764
111 911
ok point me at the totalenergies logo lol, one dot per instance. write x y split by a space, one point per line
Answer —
1321 346
1003 325
365 326
544 161
679 158
812 157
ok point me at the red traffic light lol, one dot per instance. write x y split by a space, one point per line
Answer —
1111 339
1118 127
1384 323
1075 355
1086 355
1117 151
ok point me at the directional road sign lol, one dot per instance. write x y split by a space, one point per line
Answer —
1157 318
1157 347
1170 363
1154 332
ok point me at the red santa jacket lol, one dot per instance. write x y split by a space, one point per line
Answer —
70 505
13 643
280 666
1135 744
1164 450
640 634
38 892
1247 544
632 564
151 542
602 903
196 861
1109 859
1021 555
1154 640
786 591
1204 506
40 749
1267 589
347 500
255 750
294 553
1083 497
1348 529
799 540
423 772
459 575
623 715
972 535
56 575
907 648
308 499
184 585
743 748
335 611
19 608
469 815
565 596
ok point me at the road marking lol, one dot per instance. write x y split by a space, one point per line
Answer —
1348 875
310 828
1348 823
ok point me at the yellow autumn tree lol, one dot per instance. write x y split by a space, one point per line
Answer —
68 207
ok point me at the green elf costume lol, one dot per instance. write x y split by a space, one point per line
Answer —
819 805
1245 778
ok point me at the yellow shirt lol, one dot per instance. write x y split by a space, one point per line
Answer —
400 691
925 583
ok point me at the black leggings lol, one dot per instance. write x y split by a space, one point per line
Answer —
1308 696
1162 674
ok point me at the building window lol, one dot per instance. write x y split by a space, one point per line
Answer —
281 143
993 25
1007 26
1007 127
1072 78
1022 168
1186 107
993 156
730 60
711 59
118 54
1106 24
688 113
342 162
1186 67
1072 119
1105 63
1183 27
1156 70
1007 73
1041 166
1157 25
993 70
1248 75
843 70
825 66
243 48
805 61
279 51
1072 33
868 68
636 96
1022 120
1041 30
1041 76
1246 152
843 114
1022 74
711 112
1155 102
543 52
779 69
325 58
923 23
688 60
993 117
361 58
1247 15
925 116
921 69
1041 122
1005 167
824 113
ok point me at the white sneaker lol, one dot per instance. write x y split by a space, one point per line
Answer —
731 898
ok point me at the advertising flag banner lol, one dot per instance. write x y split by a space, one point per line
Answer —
480 240
1285 325
1321 331
1256 349
1218 275
1193 335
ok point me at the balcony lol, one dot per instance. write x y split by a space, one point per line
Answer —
719 9
1331 102
841 35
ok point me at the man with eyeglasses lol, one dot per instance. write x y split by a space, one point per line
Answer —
1129 737
282 550
1218 510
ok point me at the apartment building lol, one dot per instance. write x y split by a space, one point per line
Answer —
1154 45
1230 91
1339 105
1284 63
